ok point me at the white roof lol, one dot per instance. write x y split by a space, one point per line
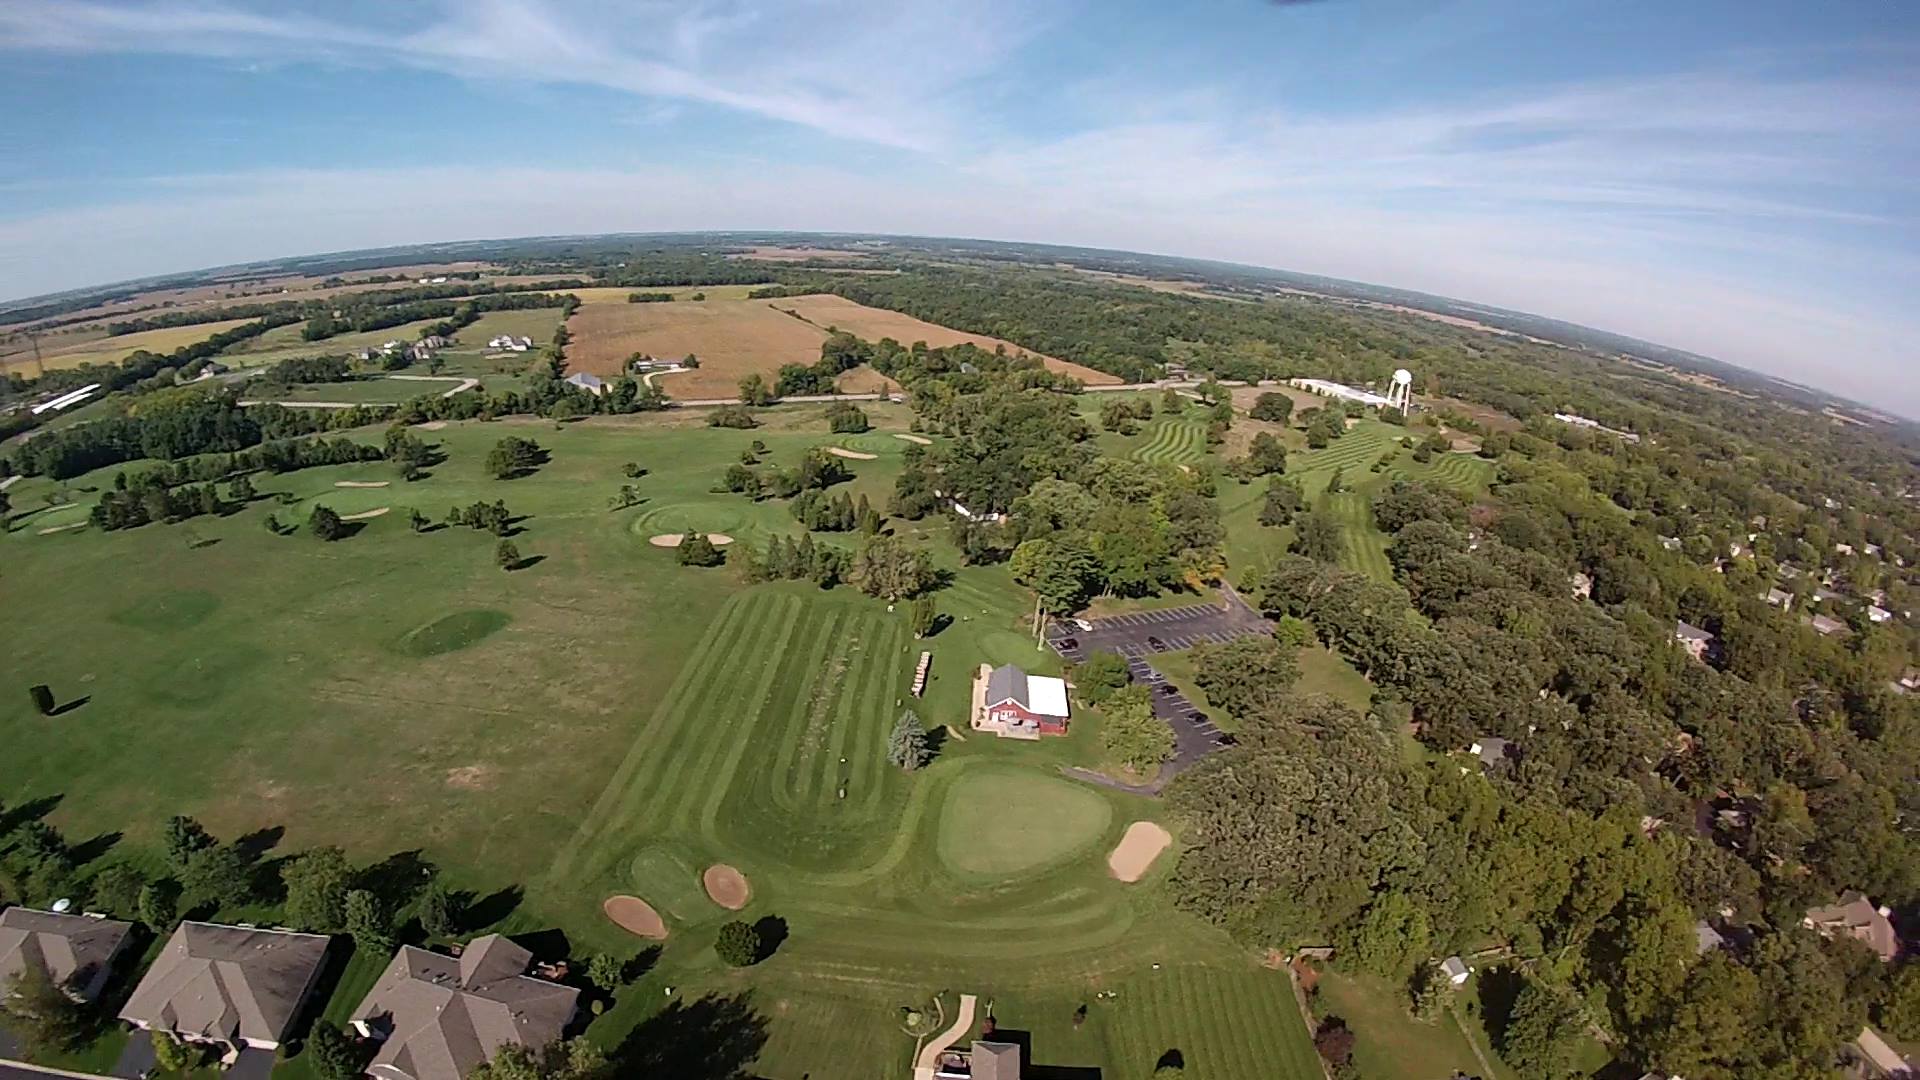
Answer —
1046 695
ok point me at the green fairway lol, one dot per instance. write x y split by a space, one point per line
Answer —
1000 823
1172 440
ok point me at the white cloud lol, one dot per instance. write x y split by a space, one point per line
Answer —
879 73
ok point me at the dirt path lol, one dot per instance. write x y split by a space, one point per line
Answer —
841 451
930 1053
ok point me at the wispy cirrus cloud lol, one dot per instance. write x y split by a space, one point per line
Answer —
876 73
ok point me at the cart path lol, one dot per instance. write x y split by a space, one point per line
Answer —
930 1053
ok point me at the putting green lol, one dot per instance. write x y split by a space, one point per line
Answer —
453 632
669 882
1001 822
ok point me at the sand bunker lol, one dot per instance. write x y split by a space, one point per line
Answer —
365 514
50 530
636 916
673 539
433 425
727 886
1142 844
841 451
361 483
914 439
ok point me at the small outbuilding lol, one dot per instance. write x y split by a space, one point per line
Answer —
1455 970
592 384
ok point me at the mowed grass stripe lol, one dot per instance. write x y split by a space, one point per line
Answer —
789 784
692 763
614 806
1172 442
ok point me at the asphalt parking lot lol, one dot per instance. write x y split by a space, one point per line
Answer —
1138 636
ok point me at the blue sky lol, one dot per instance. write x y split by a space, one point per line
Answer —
1742 179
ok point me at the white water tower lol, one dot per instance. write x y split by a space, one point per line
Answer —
1400 394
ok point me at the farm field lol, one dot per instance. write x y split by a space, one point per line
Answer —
732 338
872 324
606 721
89 349
284 342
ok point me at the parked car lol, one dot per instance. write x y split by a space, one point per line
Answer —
1169 688
1069 644
1156 644
1085 626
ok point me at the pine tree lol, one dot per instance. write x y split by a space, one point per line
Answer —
907 746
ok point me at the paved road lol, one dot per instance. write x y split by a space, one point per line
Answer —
20 1070
1134 636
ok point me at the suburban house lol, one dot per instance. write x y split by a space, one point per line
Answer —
1706 938
1856 917
984 1061
440 1017
592 384
1491 750
1455 971
1696 641
1780 598
76 951
233 986
1023 706
1880 1058
1827 624
1878 614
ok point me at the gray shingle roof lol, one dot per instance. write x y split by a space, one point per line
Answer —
227 982
1007 683
995 1060
444 1016
71 949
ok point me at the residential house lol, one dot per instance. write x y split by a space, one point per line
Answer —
1857 918
1878 614
439 1017
1706 938
986 1060
1491 750
75 951
1871 549
1828 625
232 986
1881 1059
1843 549
1671 543
1780 598
1455 970
1696 641
592 384
1022 706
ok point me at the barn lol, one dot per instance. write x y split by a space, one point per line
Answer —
1023 706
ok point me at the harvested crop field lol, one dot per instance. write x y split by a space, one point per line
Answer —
112 350
732 338
875 323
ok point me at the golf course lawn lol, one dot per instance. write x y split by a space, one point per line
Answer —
605 721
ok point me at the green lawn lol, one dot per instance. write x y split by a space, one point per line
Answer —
1389 1043
606 721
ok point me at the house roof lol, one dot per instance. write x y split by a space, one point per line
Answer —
1454 967
445 1015
1706 938
1686 631
1046 695
227 982
1827 624
1491 749
581 378
1007 683
1884 1057
71 949
995 1060
1856 916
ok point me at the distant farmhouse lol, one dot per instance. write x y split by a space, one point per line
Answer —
440 1017
1023 706
75 951
230 986
508 341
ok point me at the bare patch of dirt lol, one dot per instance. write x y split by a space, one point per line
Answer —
470 777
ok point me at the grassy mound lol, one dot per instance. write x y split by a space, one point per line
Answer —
452 633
